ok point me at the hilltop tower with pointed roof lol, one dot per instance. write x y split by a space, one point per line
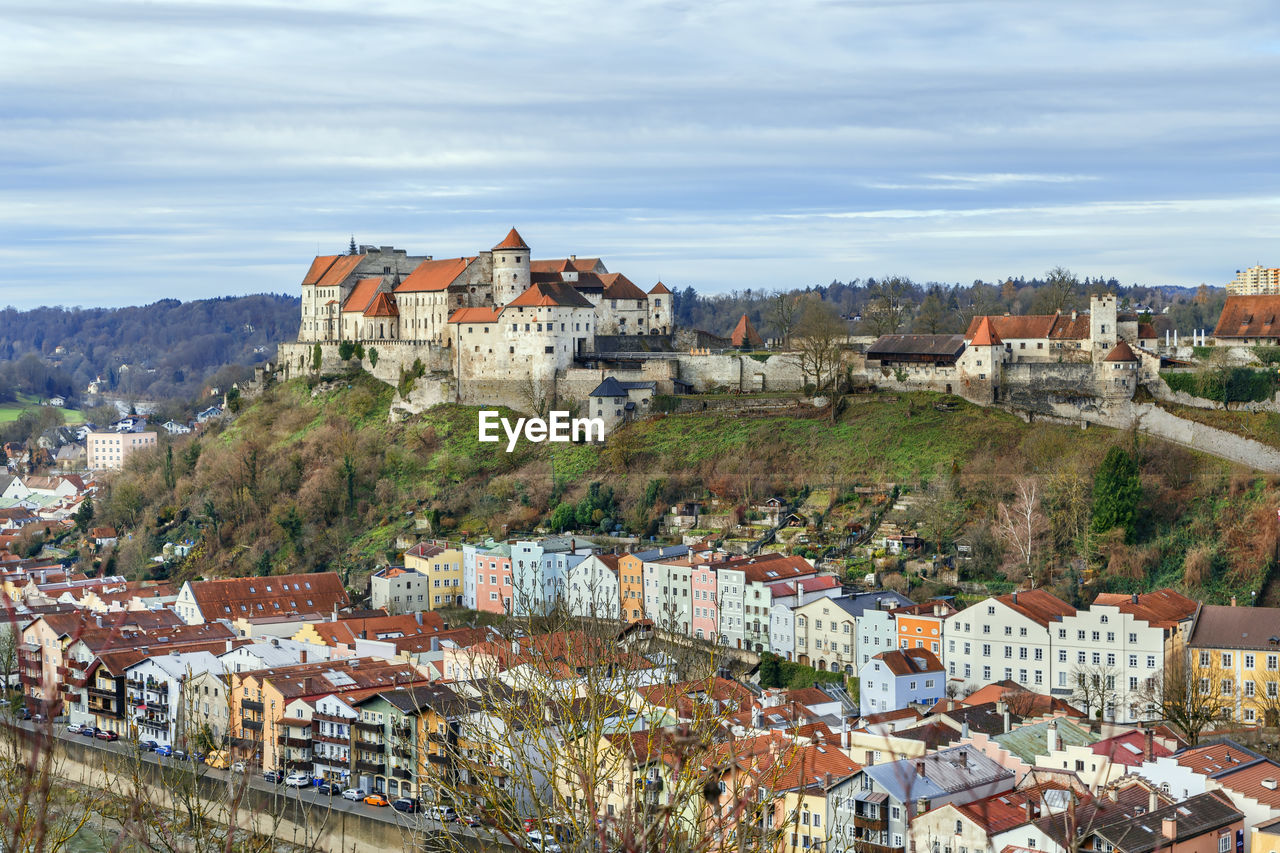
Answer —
510 268
982 361
661 310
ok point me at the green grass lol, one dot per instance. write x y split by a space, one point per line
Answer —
10 412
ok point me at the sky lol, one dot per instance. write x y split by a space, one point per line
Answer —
166 149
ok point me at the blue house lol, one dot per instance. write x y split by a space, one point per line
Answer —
893 680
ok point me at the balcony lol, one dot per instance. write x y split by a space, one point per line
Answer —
106 693
336 741
401 773
370 745
879 823
300 742
402 751
368 767
330 718
361 725
332 761
252 725
298 764
158 707
250 705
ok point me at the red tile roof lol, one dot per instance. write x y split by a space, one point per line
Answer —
278 595
1249 317
1129 749
1214 758
1162 608
1121 352
383 305
553 294
561 265
745 334
618 286
659 288
1052 326
985 336
1249 782
433 275
475 315
1037 605
513 240
910 661
1033 704
385 628
361 295
337 272
1003 812
318 268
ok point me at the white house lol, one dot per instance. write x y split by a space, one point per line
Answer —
591 587
175 428
267 654
786 597
155 688
895 679
1005 638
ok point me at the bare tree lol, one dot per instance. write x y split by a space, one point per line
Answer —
1021 523
1192 692
1059 291
818 337
888 306
782 315
1094 688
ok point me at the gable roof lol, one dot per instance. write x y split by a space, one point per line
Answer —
610 387
1161 608
1003 812
745 334
1059 327
984 335
383 305
550 294
433 275
361 295
1193 817
890 345
1220 626
1032 741
658 288
513 240
230 598
618 286
948 771
910 661
318 268
385 628
562 265
1037 605
1249 317
336 272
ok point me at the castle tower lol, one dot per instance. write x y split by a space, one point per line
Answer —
984 357
1103 333
510 268
661 311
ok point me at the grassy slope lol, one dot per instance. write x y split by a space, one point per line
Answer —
435 462
10 412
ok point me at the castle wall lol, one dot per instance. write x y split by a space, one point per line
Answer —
779 372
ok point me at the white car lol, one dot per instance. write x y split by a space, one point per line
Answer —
354 794
74 728
297 780
239 767
444 813
543 843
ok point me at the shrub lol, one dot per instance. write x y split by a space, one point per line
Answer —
373 357
346 349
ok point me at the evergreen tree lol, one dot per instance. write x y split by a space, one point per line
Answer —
316 355
351 249
84 515
1117 490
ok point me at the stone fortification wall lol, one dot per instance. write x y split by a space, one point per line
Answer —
779 372
1040 387
295 358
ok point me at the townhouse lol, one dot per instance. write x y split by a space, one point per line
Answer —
592 587
441 565
631 577
827 630
894 679
787 596
494 584
278 595
539 569
743 587
920 626
877 627
1235 654
156 689
1008 638
1107 656
991 824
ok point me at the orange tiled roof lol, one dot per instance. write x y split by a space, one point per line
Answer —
1049 326
745 334
433 275
1249 317
550 294
361 295
1037 605
659 288
383 305
337 272
513 240
910 661
347 631
475 315
985 336
1121 352
278 595
1163 608
561 265
618 286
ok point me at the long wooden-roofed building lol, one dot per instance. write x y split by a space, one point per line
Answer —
940 350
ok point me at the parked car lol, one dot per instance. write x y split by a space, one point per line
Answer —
36 718
544 842
180 755
276 776
164 751
376 799
298 780
148 745
329 788
25 713
239 767
354 794
469 819
103 734
74 728
407 804
445 814
88 731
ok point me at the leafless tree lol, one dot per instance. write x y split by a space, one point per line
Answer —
1021 523
1094 688
782 315
1192 692
818 337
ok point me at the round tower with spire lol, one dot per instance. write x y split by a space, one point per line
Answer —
510 268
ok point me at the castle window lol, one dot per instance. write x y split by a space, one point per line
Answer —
549 350
511 350
486 330
539 327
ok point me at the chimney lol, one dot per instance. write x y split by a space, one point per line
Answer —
1169 828
302 656
1233 601
920 769
845 737
1134 599
275 641
964 727
1148 744
1003 710
1032 810
755 718
228 645
418 616
1113 795
964 758
922 805
1051 737
1153 801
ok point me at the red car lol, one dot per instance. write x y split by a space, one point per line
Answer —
106 735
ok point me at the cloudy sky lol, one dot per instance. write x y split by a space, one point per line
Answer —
191 149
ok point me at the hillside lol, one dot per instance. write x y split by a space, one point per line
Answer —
317 478
171 348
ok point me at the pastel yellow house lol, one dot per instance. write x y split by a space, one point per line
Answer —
430 579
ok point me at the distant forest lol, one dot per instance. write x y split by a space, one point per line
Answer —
164 351
896 304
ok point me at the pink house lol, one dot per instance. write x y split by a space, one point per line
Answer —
706 608
493 581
